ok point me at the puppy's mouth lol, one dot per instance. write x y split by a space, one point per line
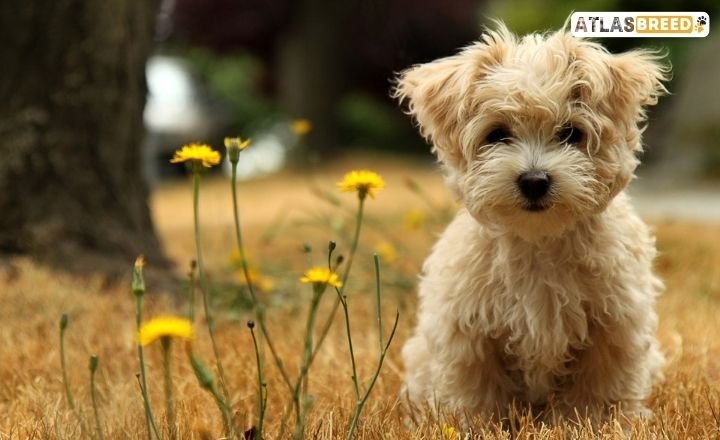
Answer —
535 207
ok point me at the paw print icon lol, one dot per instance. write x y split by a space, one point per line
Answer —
702 20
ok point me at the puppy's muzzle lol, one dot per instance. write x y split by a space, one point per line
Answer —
534 186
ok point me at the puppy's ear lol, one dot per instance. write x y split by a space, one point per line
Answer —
637 78
636 82
437 94
434 94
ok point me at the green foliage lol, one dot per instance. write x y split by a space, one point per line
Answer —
709 135
235 78
370 121
527 16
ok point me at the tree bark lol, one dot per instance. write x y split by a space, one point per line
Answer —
73 88
310 65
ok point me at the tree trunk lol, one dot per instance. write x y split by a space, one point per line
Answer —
310 55
73 88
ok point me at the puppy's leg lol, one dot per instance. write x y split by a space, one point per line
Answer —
617 370
417 362
451 372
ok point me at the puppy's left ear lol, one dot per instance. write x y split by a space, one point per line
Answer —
638 78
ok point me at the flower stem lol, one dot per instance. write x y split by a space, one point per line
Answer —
257 307
361 403
343 302
353 250
300 391
149 418
93 395
191 276
262 392
204 286
206 382
378 310
356 240
169 404
64 320
383 351
325 329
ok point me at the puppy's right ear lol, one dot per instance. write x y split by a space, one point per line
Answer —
439 94
434 95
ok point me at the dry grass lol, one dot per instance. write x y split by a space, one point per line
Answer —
687 404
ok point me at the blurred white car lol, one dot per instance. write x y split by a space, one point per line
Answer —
178 110
268 151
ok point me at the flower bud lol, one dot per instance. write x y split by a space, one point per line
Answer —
64 321
234 146
138 282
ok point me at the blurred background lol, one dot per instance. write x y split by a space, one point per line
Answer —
228 66
98 95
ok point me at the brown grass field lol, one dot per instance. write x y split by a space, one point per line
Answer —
279 215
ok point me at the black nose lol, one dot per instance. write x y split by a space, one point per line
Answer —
534 185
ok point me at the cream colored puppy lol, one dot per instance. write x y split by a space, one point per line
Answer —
541 290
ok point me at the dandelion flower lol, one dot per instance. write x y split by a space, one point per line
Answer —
200 154
258 280
234 146
363 181
386 251
321 275
236 142
300 127
449 433
137 285
414 219
236 259
165 327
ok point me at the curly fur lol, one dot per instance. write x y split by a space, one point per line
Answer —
550 306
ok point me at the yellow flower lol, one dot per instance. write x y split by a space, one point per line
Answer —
321 275
386 251
258 280
164 327
234 146
414 219
363 181
200 154
236 142
236 259
300 127
139 262
449 433
138 282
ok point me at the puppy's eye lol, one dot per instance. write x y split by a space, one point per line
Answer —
570 135
498 135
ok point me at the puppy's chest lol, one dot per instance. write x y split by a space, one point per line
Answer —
537 311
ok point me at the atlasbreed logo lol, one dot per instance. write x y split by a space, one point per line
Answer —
640 24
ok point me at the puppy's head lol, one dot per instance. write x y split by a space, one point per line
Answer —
534 133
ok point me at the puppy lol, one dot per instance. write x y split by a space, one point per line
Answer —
541 291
